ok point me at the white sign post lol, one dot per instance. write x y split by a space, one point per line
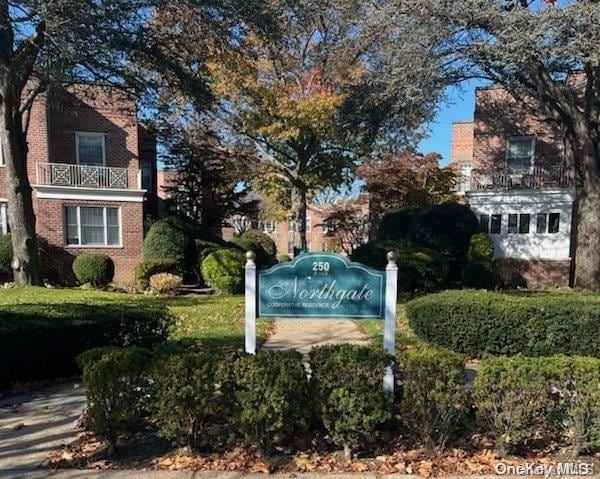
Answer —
389 333
250 269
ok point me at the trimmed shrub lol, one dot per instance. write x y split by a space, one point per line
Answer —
421 269
284 258
347 387
96 269
6 255
204 248
254 243
434 398
41 341
481 275
223 270
167 239
145 269
165 283
271 397
395 224
374 254
185 398
116 384
477 322
481 249
262 240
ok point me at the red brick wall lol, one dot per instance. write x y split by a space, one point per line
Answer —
50 223
497 117
534 274
462 142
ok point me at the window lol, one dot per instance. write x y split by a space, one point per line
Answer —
484 223
512 223
1 155
465 177
93 226
519 154
290 247
90 149
268 226
496 224
3 219
308 223
293 227
554 222
524 221
541 223
548 223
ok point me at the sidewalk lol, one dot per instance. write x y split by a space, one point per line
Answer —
305 334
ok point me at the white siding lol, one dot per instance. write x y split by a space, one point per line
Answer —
532 245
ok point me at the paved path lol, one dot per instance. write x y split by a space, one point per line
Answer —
305 334
32 425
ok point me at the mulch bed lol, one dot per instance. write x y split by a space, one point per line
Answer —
472 455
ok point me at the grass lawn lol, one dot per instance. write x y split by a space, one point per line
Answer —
216 320
405 337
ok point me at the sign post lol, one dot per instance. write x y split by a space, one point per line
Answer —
323 285
250 295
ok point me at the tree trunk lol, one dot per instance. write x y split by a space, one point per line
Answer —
18 190
587 241
299 213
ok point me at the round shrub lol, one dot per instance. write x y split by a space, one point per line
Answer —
481 249
6 255
145 269
263 240
421 269
168 240
284 258
252 242
374 254
478 322
395 224
480 275
204 248
165 283
96 269
223 270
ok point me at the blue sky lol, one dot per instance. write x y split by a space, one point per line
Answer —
458 107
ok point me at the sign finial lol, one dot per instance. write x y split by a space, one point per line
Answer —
391 256
250 255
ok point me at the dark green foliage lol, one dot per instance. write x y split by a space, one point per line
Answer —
116 383
478 322
395 224
374 254
446 228
169 239
271 395
481 249
434 397
145 269
347 387
204 248
39 341
261 244
223 270
185 399
284 258
481 275
96 269
261 240
421 269
6 255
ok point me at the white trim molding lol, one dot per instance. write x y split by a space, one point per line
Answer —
88 194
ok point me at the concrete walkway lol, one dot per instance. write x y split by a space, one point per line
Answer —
304 334
32 425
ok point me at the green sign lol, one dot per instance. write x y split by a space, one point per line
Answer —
321 285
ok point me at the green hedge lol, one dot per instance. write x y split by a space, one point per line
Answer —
6 254
96 269
144 270
169 239
478 322
519 397
39 341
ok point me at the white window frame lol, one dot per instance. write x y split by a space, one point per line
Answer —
3 218
523 137
464 181
2 163
105 224
94 134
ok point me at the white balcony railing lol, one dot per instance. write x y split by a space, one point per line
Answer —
83 176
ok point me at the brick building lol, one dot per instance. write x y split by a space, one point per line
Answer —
92 167
513 176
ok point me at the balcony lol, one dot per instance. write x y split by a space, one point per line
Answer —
83 176
535 178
